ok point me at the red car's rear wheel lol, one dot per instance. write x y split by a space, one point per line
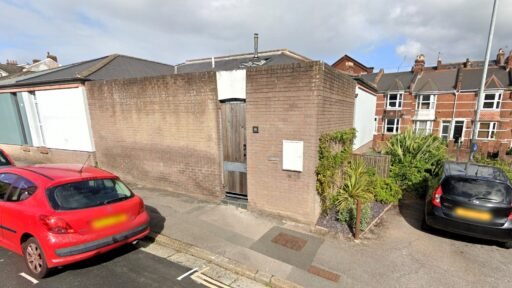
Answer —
34 258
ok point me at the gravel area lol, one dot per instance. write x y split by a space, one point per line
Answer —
330 223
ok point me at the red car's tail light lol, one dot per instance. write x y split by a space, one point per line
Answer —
436 198
56 225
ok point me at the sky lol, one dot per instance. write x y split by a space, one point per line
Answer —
380 33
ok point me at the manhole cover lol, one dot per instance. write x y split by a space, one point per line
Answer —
289 241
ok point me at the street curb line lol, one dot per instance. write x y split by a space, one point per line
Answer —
223 262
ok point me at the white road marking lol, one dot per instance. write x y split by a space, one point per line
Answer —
34 281
186 274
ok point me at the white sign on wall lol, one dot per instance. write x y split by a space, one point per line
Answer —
293 155
231 84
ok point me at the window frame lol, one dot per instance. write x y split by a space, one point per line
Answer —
442 124
399 100
431 102
496 102
396 126
491 132
428 128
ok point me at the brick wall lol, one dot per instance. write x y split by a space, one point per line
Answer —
34 155
292 102
159 131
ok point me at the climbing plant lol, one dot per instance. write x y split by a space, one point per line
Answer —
334 151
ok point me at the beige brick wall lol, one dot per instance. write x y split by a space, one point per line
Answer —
159 131
34 155
292 102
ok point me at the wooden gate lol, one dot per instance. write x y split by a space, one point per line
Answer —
234 148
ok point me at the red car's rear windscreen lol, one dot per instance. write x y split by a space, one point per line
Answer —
86 194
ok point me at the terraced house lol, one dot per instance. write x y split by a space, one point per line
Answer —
443 99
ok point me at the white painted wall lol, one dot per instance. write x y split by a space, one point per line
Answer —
364 117
231 84
64 118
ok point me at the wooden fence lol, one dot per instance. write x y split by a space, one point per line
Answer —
381 163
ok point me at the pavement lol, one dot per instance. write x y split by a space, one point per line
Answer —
394 253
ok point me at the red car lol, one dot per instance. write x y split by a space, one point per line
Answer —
55 215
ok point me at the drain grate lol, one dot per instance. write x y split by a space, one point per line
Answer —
289 241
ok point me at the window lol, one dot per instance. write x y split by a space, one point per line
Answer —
468 188
21 190
85 194
395 100
492 101
487 130
426 102
423 127
445 130
392 126
6 180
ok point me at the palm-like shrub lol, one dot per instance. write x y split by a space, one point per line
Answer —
356 185
415 159
357 188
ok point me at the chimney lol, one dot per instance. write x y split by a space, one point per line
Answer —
379 75
34 61
468 63
256 36
509 61
11 62
213 62
500 58
50 56
419 64
439 63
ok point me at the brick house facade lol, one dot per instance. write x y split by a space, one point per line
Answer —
351 66
442 100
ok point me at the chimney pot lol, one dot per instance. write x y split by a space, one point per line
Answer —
419 64
467 64
500 58
256 38
50 56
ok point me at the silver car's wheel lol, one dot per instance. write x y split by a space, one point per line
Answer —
34 258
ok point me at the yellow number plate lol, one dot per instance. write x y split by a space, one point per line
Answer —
473 214
109 221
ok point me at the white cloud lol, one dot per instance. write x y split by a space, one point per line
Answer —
409 49
172 30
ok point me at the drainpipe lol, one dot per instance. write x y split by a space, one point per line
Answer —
452 123
453 114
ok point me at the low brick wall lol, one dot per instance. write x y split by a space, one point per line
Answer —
44 155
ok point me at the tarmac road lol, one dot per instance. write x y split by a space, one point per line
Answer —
124 267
